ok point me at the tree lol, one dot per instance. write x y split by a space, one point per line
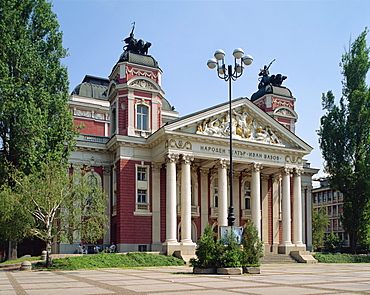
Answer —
60 204
252 245
331 242
319 222
36 126
206 251
345 141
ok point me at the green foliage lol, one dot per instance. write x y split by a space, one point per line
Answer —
229 252
252 245
341 258
110 260
59 204
20 260
319 222
345 141
36 126
331 242
206 251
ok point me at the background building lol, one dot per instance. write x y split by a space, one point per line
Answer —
332 202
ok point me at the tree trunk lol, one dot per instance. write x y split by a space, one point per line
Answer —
353 243
49 261
12 251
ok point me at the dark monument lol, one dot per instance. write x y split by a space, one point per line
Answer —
136 46
275 80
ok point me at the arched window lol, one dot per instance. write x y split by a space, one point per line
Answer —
215 192
142 117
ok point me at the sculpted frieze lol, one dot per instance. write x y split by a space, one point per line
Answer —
244 127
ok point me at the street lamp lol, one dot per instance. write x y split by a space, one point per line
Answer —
230 74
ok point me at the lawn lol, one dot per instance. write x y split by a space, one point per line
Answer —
111 260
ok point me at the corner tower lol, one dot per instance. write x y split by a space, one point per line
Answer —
275 99
137 103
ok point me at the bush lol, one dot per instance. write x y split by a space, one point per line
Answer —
252 245
229 252
110 260
331 243
341 258
206 251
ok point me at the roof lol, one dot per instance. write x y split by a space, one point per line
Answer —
94 87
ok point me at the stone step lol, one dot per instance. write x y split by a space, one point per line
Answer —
277 259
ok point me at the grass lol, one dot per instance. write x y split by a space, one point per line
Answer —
341 258
20 260
111 260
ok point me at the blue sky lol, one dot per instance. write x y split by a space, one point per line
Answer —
307 39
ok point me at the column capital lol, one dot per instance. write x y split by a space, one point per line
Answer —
171 157
194 168
276 177
236 174
204 171
298 171
221 163
187 159
286 171
106 170
265 177
256 167
156 166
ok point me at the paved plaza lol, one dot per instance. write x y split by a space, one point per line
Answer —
274 280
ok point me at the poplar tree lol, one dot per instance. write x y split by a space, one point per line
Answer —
345 141
35 124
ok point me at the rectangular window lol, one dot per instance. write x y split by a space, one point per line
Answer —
141 173
142 118
315 197
142 248
324 197
141 196
335 195
329 196
319 198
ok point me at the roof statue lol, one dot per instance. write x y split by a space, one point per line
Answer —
275 80
136 46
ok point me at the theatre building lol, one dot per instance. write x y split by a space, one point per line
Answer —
167 176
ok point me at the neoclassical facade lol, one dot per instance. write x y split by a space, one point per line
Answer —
167 176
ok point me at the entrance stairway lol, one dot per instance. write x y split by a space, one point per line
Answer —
277 259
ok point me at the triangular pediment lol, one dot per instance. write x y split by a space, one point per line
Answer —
249 124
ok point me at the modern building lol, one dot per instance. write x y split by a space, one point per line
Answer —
167 176
332 203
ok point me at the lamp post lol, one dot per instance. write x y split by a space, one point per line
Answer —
229 74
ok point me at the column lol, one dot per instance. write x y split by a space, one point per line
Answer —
286 218
186 199
171 218
156 207
107 171
222 193
204 206
275 212
297 207
256 196
236 197
265 212
308 196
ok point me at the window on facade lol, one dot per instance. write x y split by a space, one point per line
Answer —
141 173
92 182
315 197
142 248
247 195
113 124
329 196
141 196
334 210
319 197
334 196
142 117
215 193
340 195
324 196
329 210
